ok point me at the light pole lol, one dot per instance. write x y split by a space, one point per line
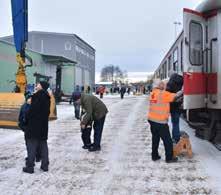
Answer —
176 24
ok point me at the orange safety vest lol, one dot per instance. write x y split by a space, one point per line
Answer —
159 108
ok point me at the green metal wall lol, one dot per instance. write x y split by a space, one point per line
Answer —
68 79
9 66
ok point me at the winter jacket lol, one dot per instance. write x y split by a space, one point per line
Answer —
123 90
22 119
101 89
95 109
174 85
74 94
37 116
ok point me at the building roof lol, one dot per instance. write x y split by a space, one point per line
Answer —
56 33
56 59
47 58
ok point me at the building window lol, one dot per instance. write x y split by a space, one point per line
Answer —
196 43
165 69
67 46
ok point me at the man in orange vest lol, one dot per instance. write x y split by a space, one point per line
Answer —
159 110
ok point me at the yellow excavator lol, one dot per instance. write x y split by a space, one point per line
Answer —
10 103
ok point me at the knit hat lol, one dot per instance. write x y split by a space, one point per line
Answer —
44 85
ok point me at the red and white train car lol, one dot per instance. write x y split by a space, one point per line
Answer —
196 54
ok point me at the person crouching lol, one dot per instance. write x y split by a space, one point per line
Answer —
95 112
158 115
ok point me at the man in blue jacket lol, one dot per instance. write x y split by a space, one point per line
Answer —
174 85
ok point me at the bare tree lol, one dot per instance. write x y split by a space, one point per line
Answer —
111 73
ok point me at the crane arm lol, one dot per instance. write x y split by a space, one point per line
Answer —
20 31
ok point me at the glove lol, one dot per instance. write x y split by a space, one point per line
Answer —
179 93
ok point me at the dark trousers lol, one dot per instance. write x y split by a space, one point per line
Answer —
32 146
86 136
122 95
101 95
98 129
161 131
77 110
175 118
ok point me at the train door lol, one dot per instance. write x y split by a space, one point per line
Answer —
194 63
213 62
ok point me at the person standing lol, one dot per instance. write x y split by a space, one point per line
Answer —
101 91
128 90
76 105
122 91
36 134
95 111
158 115
174 85
88 89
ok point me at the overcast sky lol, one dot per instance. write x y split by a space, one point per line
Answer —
134 34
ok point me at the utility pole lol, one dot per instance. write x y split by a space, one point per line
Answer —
175 25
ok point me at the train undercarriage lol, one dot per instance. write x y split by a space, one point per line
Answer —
207 123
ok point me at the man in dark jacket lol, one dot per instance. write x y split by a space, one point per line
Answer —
174 85
36 134
122 91
76 105
95 111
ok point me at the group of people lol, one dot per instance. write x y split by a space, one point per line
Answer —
121 90
34 115
165 99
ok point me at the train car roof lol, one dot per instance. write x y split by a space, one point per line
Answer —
208 5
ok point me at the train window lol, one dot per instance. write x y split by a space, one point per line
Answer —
181 56
196 43
165 69
175 60
169 63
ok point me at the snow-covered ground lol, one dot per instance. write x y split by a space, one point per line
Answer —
123 166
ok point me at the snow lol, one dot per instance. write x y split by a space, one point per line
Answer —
123 166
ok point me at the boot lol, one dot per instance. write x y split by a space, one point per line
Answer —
45 169
156 158
94 148
28 170
173 160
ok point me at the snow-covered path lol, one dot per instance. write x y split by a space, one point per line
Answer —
123 166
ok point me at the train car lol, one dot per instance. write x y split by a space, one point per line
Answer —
196 54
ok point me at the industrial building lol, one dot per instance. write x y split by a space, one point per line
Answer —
64 58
